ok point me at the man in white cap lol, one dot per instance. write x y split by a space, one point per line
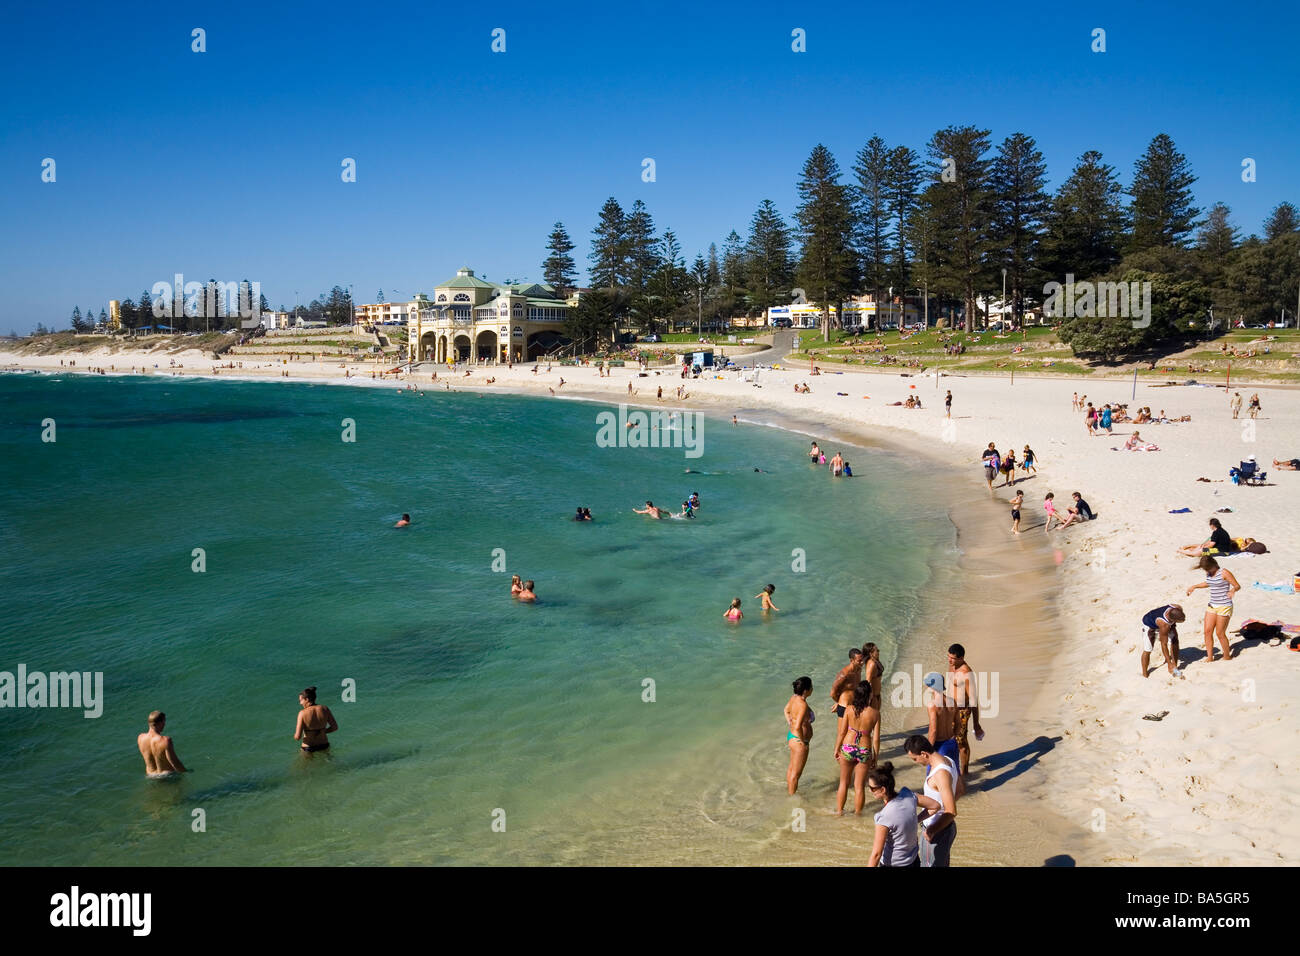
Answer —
943 722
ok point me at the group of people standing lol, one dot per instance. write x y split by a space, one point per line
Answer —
944 752
839 467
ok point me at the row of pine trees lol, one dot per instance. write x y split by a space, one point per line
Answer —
947 223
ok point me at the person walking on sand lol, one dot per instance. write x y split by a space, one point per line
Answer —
938 802
857 755
159 750
1074 403
895 841
947 405
991 461
1162 623
314 722
799 719
1008 469
1254 405
734 613
842 691
1235 404
1016 502
1090 420
1107 416
765 596
1223 586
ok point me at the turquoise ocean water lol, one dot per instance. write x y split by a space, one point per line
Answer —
469 708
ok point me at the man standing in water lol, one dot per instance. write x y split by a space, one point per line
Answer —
968 710
158 751
842 692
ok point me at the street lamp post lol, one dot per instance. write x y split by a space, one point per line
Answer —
1003 315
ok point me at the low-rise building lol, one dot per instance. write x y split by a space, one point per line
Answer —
386 313
472 320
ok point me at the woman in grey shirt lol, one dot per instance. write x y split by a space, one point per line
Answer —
896 838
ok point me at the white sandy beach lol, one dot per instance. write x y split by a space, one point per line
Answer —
1214 782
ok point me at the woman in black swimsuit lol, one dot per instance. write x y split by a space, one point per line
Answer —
314 722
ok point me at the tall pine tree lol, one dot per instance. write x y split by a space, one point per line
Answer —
1085 224
872 212
559 269
768 263
1020 205
960 202
608 256
903 179
825 218
1162 210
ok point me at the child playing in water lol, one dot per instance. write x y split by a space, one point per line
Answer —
765 596
734 613
516 585
1016 502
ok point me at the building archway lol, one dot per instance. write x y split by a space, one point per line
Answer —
540 343
428 347
461 347
485 346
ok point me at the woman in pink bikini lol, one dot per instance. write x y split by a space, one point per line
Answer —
856 756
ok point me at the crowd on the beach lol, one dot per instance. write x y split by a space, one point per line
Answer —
911 829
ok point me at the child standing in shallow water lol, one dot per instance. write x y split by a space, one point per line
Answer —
765 596
734 613
1016 502
1050 507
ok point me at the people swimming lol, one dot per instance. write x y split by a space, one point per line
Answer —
734 613
848 470
694 499
516 585
159 750
528 595
582 514
765 596
650 510
314 722
406 520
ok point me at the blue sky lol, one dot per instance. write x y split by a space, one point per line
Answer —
226 164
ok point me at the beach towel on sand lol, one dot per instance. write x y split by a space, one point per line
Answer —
1280 586
1181 511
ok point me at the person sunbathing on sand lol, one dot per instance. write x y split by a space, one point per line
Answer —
1292 465
1137 443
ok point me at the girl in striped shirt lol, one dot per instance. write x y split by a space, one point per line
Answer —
1222 587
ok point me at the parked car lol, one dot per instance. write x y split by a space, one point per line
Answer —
783 323
653 337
